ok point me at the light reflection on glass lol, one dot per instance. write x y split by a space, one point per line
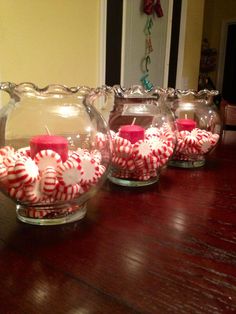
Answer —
67 111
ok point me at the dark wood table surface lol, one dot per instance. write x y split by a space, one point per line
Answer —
166 248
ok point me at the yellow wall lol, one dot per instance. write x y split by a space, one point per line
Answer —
50 41
217 11
193 38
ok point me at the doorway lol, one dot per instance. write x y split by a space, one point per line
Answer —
227 62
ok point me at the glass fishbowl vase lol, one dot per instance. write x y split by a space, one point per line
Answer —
51 157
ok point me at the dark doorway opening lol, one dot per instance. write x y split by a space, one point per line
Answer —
229 77
113 41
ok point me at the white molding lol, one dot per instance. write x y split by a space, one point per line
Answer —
182 32
102 43
168 43
221 57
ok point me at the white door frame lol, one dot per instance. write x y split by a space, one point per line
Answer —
180 84
102 43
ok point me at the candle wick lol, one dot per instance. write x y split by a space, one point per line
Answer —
48 132
133 122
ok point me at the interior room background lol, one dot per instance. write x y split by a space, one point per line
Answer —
58 41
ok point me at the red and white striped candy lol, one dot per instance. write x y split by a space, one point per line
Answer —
102 169
158 147
49 180
120 141
70 189
139 164
33 192
123 150
62 196
47 158
96 155
7 151
37 213
190 140
130 164
24 151
142 176
205 145
180 145
82 152
10 160
142 149
167 137
119 162
152 132
76 156
152 163
26 170
112 134
123 174
90 171
183 134
69 173
214 139
3 171
13 181
201 134
18 194
100 140
191 150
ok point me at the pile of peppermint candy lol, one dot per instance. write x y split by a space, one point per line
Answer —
192 145
45 179
142 160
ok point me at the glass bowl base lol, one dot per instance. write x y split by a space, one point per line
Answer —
187 163
132 183
53 216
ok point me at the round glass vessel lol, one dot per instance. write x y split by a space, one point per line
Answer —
198 127
52 159
143 135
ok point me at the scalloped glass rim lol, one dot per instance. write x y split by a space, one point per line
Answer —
51 89
137 91
196 94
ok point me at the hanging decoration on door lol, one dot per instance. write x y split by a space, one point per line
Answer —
150 8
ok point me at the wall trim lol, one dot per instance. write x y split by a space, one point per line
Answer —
102 43
182 32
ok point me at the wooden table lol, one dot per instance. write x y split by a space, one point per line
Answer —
168 248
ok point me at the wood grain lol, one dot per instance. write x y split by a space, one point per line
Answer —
166 248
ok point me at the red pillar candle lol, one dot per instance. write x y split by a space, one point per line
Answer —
58 144
132 132
185 124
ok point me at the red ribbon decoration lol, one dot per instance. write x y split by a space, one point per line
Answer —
151 6
158 8
148 6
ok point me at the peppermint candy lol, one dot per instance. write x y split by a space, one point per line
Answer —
191 144
49 180
152 132
24 151
12 179
90 171
100 140
3 171
7 151
18 194
45 179
142 149
47 158
33 192
26 170
69 172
